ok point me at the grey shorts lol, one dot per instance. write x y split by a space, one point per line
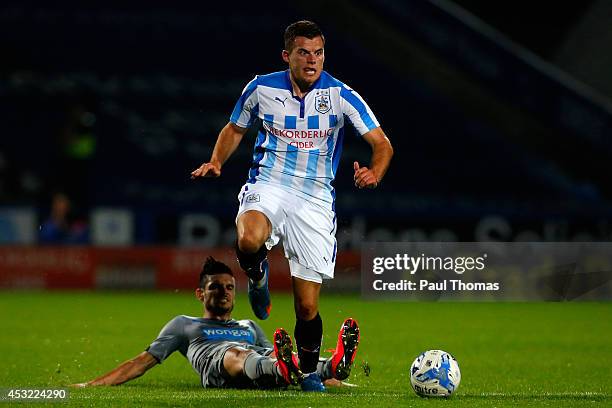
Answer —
213 373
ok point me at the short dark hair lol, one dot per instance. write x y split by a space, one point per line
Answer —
213 267
302 28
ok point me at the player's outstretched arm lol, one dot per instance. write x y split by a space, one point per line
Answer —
126 371
382 151
227 142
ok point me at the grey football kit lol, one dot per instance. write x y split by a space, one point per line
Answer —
204 343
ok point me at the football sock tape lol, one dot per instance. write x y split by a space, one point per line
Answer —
324 369
251 262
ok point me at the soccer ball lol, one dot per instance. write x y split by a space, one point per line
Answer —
435 373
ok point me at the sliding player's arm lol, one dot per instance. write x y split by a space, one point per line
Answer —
125 371
171 338
382 151
227 142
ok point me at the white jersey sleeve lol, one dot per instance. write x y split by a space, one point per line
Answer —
246 110
357 110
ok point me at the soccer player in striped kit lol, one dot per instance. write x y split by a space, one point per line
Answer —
289 193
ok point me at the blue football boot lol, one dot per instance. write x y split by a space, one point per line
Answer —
259 294
312 383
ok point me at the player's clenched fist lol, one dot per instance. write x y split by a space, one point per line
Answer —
364 177
206 170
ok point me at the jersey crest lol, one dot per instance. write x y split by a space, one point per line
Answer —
322 103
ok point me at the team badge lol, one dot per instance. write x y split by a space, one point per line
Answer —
322 103
252 198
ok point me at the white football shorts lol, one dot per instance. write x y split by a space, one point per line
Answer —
307 229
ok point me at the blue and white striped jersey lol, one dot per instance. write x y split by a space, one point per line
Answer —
299 142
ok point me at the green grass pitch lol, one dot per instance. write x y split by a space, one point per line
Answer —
510 354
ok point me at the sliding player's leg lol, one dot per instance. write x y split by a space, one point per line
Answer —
245 367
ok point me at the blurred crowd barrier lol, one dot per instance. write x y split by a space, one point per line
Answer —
165 268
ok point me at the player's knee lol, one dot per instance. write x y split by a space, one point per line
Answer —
253 230
233 361
306 309
250 242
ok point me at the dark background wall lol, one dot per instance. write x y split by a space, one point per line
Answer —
494 139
